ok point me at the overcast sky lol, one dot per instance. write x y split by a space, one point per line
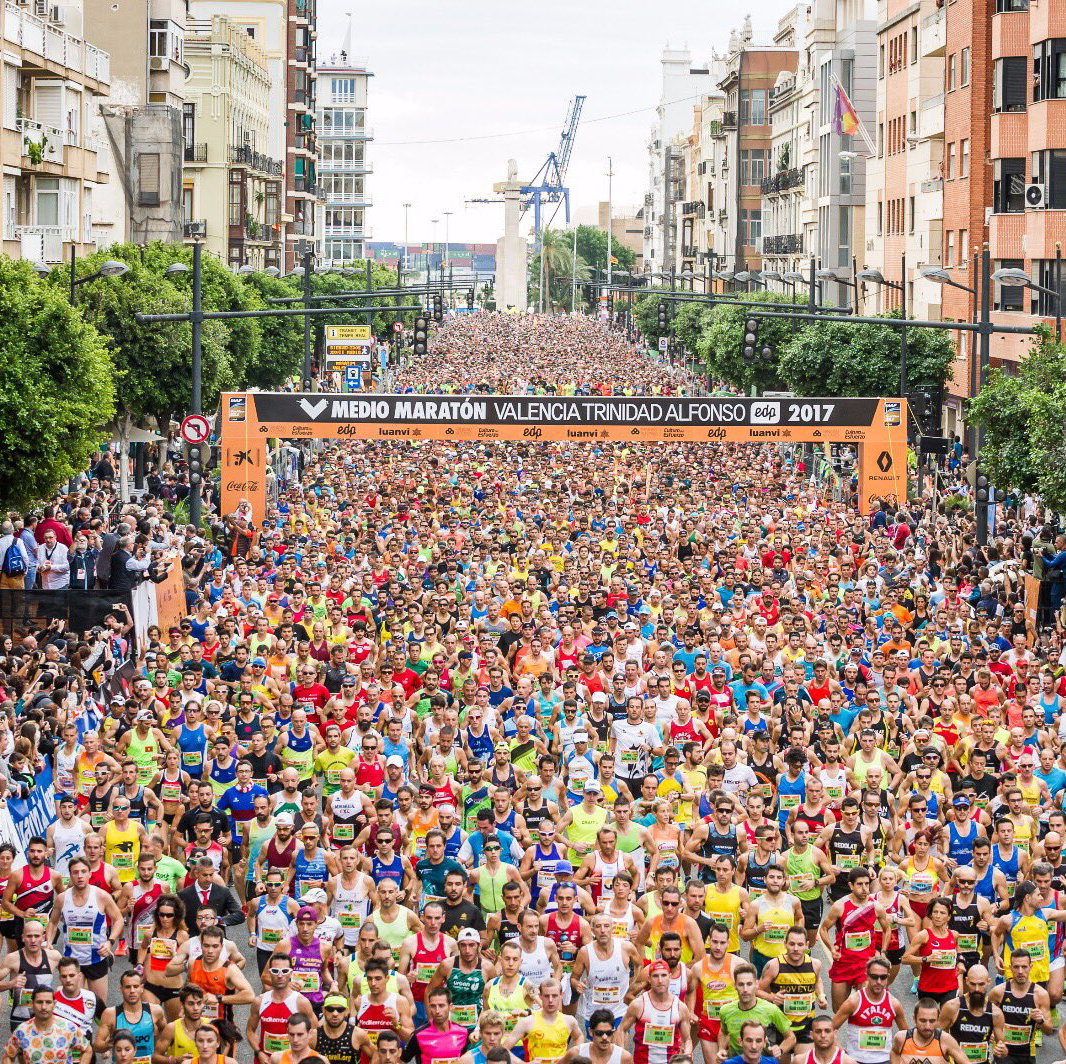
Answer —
480 68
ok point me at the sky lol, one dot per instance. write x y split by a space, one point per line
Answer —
474 70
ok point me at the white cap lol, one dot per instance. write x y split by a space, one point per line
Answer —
315 896
581 737
394 759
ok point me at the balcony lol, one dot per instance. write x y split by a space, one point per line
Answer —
931 123
348 199
44 243
54 44
933 35
783 244
782 181
717 129
327 131
41 143
689 252
729 120
242 155
694 207
196 153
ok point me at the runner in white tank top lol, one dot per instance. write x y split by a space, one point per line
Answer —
536 966
605 980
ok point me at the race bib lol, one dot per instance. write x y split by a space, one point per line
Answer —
276 1043
464 1015
607 995
873 1038
122 861
424 972
333 777
1034 949
1014 1035
967 943
213 1011
162 949
170 792
80 936
802 882
789 801
857 940
271 935
307 982
776 933
942 959
797 1004
848 861
975 1051
144 932
352 920
191 758
655 1035
629 757
921 886
344 832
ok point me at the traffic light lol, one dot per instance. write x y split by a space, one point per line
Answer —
470 298
438 308
663 319
421 341
751 342
926 406
196 465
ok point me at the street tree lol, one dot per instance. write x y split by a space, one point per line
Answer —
58 390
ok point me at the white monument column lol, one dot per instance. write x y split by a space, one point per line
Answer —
512 287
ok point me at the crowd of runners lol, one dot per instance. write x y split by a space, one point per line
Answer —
590 752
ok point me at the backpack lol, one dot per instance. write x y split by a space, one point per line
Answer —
14 563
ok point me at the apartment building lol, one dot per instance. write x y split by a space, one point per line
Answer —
54 166
343 137
751 74
904 193
141 120
667 176
231 189
627 228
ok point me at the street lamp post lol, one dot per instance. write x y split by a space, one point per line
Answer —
610 210
447 236
403 264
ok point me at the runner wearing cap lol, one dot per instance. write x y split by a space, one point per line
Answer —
311 958
466 974
578 827
660 1021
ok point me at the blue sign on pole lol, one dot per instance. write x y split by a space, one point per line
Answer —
353 378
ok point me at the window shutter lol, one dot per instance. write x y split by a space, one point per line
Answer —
148 186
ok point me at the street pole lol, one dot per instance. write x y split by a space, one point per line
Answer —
1058 291
447 237
573 274
903 331
73 282
403 265
610 211
197 318
306 369
370 319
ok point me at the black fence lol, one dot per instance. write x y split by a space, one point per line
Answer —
22 612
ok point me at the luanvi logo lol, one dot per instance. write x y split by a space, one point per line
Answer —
312 410
884 461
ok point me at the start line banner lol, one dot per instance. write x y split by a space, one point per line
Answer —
559 417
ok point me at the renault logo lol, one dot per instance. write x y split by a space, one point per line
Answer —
884 461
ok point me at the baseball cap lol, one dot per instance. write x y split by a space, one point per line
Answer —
261 662
316 896
581 737
306 913
394 759
598 696
468 934
961 800
285 819
592 787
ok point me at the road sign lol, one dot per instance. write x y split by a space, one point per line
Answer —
353 379
664 343
397 326
195 429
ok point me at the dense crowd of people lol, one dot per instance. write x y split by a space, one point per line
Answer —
553 752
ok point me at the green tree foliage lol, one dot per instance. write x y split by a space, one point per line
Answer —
646 315
1023 417
281 349
152 363
592 247
56 387
721 346
691 320
832 358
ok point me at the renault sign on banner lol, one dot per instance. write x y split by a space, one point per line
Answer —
348 345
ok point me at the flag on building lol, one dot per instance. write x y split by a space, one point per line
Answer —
845 119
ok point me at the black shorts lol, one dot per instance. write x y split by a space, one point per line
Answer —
940 996
803 1034
894 956
11 928
98 970
262 959
163 994
812 913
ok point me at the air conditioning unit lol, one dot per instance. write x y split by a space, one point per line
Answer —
55 15
1036 196
196 229
157 62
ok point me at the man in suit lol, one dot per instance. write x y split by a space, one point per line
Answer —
107 549
205 892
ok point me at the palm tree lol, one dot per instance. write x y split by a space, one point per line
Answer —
555 254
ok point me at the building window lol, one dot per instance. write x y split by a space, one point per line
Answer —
951 72
157 38
750 227
951 161
881 62
914 44
1009 84
912 206
1049 168
949 248
964 66
753 107
964 158
1004 296
188 123
880 219
149 182
1008 186
1005 6
236 199
1049 70
752 166
964 246
1044 303
880 140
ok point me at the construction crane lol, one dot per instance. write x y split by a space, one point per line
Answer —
548 183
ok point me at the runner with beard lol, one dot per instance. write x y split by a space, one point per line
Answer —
972 1018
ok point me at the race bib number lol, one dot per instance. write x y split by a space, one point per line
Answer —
848 861
122 861
464 1015
942 959
344 832
276 1043
975 1051
655 1035
307 982
424 972
857 940
162 949
967 943
144 932
834 792
80 936
213 1010
797 1004
629 757
333 777
873 1038
802 882
170 792
776 933
921 886
1014 1035
191 759
351 920
1034 949
607 995
789 801
271 936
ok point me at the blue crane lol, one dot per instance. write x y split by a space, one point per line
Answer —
547 185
